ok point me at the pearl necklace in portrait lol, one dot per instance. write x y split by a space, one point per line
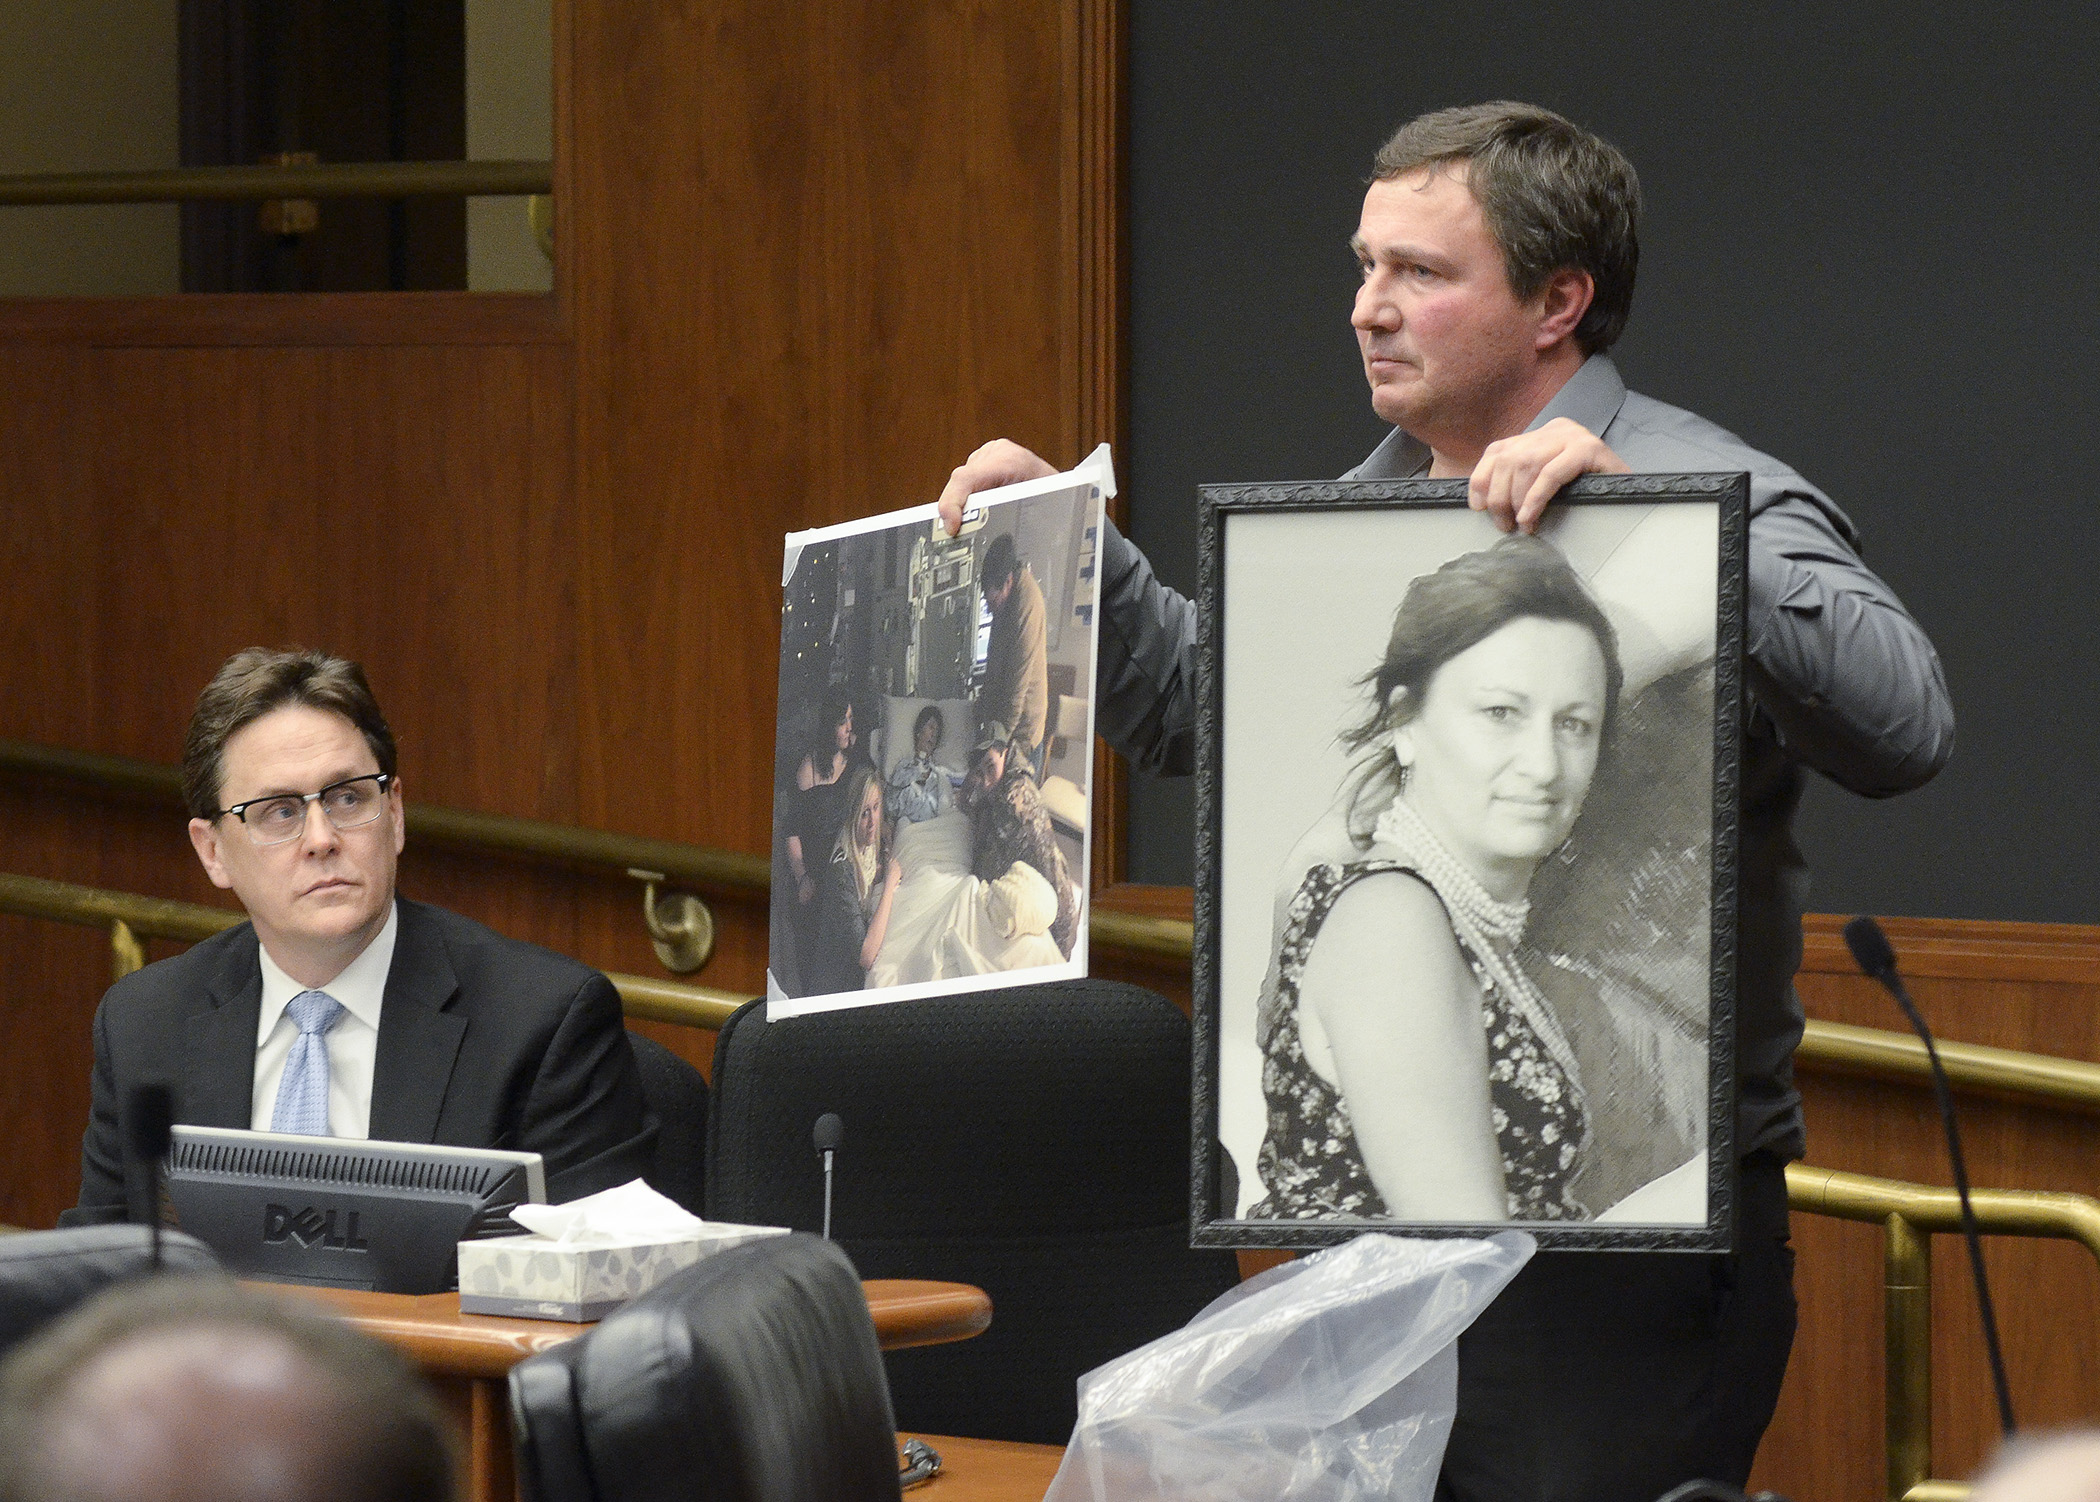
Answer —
1490 928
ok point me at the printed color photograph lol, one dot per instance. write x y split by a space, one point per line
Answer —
934 756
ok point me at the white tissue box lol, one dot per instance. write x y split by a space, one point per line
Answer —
538 1277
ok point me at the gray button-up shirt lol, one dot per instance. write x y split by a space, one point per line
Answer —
1841 680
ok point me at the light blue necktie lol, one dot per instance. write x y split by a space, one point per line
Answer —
302 1095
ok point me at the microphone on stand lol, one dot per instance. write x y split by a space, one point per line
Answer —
149 1117
1874 955
827 1134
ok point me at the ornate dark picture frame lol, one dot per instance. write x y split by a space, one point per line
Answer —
1587 885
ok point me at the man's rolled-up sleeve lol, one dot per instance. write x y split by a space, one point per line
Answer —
1148 662
1848 677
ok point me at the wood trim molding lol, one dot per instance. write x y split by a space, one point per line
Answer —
309 319
1963 949
566 168
1101 267
1095 35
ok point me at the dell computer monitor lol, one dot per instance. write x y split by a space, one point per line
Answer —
339 1211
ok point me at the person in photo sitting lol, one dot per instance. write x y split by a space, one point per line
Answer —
820 805
856 890
918 785
1010 828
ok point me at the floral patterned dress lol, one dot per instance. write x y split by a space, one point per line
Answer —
1310 1162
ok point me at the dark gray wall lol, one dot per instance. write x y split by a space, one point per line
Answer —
1869 249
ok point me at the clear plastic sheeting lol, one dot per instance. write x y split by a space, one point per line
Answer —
1333 1378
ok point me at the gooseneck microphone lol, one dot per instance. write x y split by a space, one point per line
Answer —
827 1134
149 1119
1872 952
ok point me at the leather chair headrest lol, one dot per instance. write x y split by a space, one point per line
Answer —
45 1273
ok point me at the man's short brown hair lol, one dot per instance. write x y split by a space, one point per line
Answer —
1001 561
1554 196
249 686
384 1438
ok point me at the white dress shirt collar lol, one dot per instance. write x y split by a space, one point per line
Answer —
353 1043
361 987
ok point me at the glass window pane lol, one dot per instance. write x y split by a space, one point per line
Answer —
89 86
156 85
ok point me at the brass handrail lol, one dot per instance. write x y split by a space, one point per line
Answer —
1167 939
1909 1214
1841 1048
131 918
322 180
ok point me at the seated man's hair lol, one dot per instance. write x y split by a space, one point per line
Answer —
1553 195
1000 561
249 686
376 1434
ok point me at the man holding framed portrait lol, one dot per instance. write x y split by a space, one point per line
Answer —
1499 245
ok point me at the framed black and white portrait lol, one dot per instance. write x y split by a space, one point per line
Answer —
1465 902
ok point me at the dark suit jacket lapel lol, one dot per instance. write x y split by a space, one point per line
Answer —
418 1038
218 1082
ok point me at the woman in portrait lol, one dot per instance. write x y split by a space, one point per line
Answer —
1412 1069
856 890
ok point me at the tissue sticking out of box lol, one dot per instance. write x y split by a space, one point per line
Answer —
631 1212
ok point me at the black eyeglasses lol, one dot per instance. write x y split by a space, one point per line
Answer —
349 804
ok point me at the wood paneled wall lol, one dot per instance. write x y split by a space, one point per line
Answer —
807 257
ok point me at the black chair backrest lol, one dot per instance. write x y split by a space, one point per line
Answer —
677 1093
45 1273
1032 1141
752 1376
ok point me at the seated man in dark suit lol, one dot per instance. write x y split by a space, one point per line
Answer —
338 1009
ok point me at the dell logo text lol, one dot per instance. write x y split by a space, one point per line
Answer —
311 1228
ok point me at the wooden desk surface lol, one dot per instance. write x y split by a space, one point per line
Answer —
987 1470
429 1329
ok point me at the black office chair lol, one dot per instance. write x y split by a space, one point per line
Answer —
1032 1141
752 1376
677 1093
45 1273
